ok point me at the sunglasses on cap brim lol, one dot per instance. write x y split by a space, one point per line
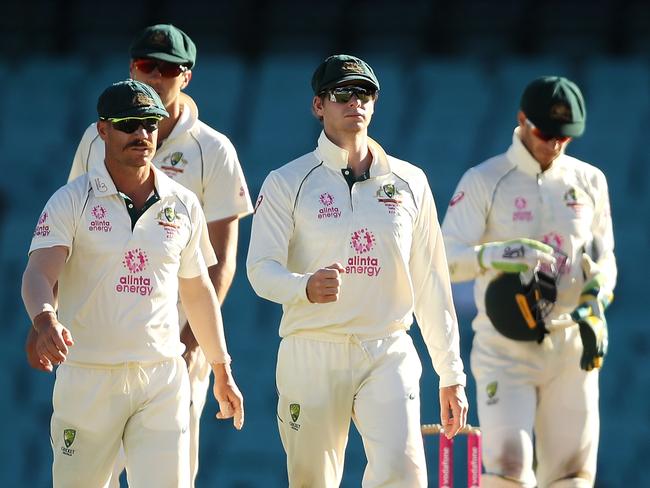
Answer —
129 125
343 94
165 68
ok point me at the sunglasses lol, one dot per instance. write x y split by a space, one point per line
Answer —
343 94
545 137
166 69
129 125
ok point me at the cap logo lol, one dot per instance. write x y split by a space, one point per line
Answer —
159 38
140 100
352 67
560 111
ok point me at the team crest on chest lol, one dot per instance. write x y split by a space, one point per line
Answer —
169 220
390 196
575 198
174 164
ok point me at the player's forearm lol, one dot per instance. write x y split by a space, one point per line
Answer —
222 275
274 282
37 292
204 316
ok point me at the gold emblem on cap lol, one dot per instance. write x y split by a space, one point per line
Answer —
159 38
560 111
140 99
352 67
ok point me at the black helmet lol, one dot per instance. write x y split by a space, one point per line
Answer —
517 304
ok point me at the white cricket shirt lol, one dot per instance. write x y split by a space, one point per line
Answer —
118 289
508 197
384 231
194 155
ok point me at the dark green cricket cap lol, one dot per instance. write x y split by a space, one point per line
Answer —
555 105
341 68
166 43
130 98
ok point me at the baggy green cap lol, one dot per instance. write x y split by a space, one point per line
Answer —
130 98
339 68
166 43
555 105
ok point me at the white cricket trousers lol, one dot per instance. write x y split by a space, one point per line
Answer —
199 375
325 380
525 388
145 406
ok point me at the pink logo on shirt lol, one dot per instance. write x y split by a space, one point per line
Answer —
521 213
135 260
456 198
363 241
328 211
42 229
99 224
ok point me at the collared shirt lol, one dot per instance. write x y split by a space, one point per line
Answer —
509 197
194 155
385 233
118 288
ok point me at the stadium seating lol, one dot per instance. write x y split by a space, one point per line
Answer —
444 114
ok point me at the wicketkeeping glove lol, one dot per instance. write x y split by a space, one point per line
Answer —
590 316
514 256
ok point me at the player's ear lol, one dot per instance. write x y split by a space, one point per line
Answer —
102 128
187 75
317 107
131 70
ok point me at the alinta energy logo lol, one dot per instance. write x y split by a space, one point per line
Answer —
42 228
328 210
521 213
362 241
99 223
135 261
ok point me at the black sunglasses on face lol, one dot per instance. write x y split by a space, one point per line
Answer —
130 125
343 94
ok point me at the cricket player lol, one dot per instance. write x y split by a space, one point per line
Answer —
535 209
347 239
201 159
123 241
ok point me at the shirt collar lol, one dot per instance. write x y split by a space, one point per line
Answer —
184 123
103 185
336 157
519 155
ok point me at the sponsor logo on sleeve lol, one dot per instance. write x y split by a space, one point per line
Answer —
135 261
362 241
458 196
100 222
521 213
328 210
42 228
